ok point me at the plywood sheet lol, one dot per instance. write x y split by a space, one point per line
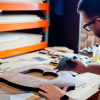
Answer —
11 40
18 18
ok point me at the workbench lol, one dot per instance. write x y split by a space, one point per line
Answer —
81 93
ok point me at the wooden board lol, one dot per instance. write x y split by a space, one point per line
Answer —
87 90
29 77
20 36
12 40
18 18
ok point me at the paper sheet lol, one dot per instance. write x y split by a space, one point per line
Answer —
21 96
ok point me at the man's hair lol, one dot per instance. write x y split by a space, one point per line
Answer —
90 7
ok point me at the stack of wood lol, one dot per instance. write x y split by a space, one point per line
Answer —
23 1
18 18
16 40
62 49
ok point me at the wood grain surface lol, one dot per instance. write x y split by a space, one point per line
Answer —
18 18
29 77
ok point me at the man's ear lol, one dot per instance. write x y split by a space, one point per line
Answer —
98 22
98 19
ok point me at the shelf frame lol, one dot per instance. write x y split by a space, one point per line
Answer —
25 7
27 25
17 51
47 18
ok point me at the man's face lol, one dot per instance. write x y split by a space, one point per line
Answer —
95 27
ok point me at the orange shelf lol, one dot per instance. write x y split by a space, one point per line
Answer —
24 7
26 25
12 52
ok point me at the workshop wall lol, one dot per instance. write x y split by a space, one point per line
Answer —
88 39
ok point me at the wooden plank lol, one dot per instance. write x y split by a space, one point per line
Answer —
87 90
19 19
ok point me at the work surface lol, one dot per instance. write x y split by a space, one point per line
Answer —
81 93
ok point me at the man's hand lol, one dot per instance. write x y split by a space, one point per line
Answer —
52 92
81 66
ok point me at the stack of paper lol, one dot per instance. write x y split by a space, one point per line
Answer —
23 1
17 40
18 18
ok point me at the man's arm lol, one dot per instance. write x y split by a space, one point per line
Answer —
93 68
83 67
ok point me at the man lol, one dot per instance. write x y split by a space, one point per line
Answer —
90 10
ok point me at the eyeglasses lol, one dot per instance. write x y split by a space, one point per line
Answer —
86 26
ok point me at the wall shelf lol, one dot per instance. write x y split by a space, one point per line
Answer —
12 52
25 6
26 25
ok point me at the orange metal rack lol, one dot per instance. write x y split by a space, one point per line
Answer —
27 25
12 52
24 7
